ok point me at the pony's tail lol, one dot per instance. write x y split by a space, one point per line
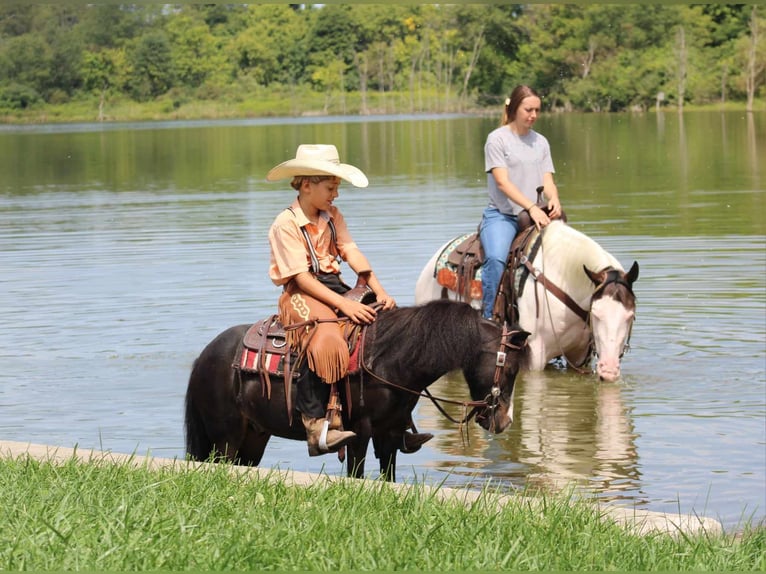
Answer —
198 444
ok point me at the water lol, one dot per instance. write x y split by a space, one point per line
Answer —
123 251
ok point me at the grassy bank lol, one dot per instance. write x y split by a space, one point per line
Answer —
179 106
99 516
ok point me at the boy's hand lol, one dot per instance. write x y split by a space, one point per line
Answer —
385 299
358 312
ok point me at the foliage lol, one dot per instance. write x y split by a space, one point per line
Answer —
594 57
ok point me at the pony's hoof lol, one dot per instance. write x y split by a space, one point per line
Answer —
411 442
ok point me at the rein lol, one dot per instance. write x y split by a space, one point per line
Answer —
474 405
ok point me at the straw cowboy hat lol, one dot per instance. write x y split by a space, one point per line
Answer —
317 159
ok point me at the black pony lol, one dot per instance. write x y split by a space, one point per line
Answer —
229 416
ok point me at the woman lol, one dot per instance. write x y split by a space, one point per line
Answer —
517 160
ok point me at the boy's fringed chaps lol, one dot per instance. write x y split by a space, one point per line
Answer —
322 343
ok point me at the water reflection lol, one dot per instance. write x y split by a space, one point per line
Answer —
567 430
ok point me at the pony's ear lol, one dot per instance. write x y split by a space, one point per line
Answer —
632 275
595 277
519 337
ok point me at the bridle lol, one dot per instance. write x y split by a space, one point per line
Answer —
613 276
491 401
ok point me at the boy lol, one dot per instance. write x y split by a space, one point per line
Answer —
307 241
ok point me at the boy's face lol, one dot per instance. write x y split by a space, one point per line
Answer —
322 194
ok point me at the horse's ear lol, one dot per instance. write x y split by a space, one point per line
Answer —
593 276
632 275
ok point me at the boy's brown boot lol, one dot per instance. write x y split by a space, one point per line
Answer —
321 439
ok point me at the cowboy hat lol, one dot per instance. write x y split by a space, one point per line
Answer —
317 159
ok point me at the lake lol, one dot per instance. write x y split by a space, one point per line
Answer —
126 248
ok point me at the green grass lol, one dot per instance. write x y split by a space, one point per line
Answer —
101 516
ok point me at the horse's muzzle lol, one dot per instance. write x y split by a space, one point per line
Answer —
608 371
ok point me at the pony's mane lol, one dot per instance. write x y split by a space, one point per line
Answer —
411 332
563 243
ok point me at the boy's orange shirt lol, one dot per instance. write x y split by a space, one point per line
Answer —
289 252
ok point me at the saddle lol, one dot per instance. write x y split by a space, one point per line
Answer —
265 349
466 258
460 270
511 288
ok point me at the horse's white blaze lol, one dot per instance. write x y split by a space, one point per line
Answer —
610 323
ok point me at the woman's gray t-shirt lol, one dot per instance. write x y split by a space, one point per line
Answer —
525 157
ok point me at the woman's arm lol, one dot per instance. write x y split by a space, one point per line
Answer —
552 193
505 185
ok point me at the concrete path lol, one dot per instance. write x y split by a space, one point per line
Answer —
638 521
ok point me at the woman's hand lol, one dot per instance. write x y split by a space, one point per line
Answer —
538 216
554 208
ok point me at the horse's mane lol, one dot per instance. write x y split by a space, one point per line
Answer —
427 332
563 243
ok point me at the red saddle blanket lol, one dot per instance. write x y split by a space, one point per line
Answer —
265 349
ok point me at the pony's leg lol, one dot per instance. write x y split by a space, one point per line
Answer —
385 450
357 448
252 447
356 451
226 436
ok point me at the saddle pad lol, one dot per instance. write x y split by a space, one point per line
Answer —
250 362
267 336
446 272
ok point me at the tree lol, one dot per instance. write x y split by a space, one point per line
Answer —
26 61
151 63
756 57
272 45
194 51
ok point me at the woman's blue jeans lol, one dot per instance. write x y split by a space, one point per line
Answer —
497 231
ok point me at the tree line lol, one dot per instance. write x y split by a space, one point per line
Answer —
589 57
